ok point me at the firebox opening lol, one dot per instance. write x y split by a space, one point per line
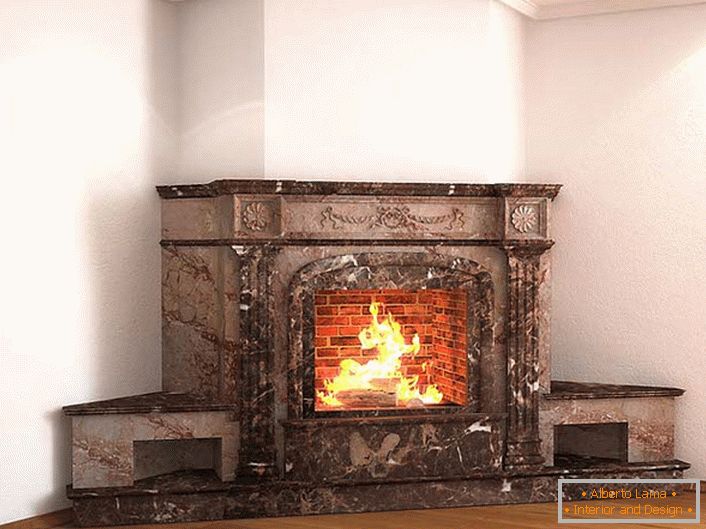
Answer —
577 445
377 349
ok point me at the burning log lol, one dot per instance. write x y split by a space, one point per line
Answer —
367 398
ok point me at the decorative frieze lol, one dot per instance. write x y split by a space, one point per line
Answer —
393 218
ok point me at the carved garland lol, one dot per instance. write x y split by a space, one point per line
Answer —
393 218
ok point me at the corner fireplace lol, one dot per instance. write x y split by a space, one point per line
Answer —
348 347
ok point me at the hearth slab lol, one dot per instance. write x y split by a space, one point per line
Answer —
567 390
157 402
177 498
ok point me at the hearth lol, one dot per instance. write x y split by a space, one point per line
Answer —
345 347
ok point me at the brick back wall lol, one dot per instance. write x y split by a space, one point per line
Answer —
449 343
340 315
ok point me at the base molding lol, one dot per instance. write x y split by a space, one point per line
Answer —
42 521
270 498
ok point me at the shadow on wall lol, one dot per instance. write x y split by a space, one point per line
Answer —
118 225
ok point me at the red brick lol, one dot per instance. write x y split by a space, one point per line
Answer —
332 320
363 321
416 309
326 372
327 362
395 310
326 331
349 331
344 340
348 299
398 299
352 309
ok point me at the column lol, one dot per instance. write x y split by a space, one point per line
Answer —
256 365
523 450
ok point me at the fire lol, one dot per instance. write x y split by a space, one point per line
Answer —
383 373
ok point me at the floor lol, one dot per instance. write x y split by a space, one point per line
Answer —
535 516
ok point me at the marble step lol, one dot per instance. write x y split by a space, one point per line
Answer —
567 390
157 402
193 495
117 442
647 413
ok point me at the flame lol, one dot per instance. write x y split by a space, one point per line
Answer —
385 369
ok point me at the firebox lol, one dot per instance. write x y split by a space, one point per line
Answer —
390 348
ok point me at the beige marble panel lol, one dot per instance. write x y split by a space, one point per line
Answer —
192 320
103 444
189 218
650 423
544 317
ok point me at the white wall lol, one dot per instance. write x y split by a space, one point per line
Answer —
221 89
398 90
413 89
86 130
617 112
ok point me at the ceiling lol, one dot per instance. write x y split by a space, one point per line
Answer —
548 9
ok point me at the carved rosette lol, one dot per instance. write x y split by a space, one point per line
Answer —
524 218
257 216
523 448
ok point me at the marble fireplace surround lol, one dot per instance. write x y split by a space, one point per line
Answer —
241 262
399 271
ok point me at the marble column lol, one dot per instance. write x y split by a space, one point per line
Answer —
523 448
256 360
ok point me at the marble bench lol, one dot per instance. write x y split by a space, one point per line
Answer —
174 431
647 411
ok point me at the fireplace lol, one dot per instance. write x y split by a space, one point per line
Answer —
345 347
387 349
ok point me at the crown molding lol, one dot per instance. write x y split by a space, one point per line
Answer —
553 9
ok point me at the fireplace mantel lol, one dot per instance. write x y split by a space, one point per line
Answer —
297 187
293 212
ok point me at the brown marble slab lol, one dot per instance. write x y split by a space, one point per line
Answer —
182 482
370 449
157 402
295 187
566 390
193 496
